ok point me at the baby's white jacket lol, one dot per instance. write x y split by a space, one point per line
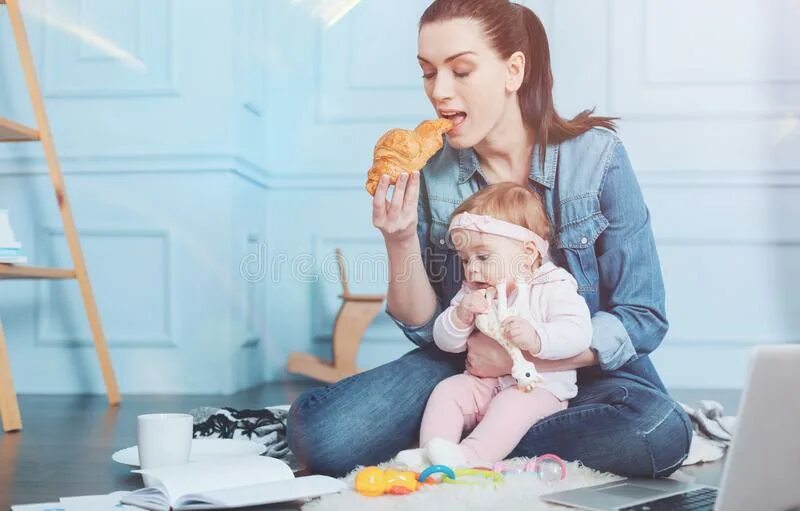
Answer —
558 314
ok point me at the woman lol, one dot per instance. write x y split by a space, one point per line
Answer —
486 65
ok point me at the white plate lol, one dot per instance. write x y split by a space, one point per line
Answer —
203 449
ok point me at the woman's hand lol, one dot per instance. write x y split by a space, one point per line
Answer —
486 358
397 219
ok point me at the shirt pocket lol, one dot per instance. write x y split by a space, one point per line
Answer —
577 239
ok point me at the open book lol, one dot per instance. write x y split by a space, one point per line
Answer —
229 483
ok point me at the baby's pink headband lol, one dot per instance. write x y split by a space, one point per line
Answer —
490 225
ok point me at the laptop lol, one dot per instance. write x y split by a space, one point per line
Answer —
762 470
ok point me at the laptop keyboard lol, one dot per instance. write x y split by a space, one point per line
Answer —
696 500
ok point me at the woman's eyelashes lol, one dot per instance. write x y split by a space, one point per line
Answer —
432 74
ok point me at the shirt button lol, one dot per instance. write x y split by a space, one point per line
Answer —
584 240
441 242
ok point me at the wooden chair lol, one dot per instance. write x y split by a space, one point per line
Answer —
355 315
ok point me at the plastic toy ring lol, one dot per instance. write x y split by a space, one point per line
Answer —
502 468
495 477
436 469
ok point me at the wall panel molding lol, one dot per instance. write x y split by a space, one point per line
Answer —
109 48
144 164
138 164
647 179
730 285
52 293
250 66
254 294
708 79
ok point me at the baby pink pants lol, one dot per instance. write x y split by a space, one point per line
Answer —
498 419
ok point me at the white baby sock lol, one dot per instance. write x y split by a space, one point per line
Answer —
414 459
445 452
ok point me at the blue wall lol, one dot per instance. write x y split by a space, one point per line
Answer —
160 130
215 154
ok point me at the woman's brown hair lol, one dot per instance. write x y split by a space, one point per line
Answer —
512 27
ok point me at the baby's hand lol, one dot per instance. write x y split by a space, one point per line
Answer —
520 332
473 303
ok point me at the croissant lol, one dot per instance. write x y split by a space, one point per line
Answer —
400 150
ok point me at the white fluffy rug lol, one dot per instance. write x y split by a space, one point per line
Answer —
517 491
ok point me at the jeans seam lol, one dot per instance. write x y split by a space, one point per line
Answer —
597 394
657 472
664 418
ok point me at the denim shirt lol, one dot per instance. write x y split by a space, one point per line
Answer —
601 234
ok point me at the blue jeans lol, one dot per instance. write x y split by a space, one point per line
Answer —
614 424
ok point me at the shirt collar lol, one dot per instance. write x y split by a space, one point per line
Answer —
543 174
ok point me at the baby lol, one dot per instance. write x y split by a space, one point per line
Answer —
500 234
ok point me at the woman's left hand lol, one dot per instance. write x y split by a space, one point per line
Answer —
486 358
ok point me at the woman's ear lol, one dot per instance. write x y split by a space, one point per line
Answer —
515 71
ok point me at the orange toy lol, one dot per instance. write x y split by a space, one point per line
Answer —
373 481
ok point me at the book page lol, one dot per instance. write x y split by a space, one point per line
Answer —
109 502
208 476
267 493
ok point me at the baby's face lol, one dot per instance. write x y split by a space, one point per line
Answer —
488 259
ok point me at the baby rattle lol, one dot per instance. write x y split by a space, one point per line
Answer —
489 323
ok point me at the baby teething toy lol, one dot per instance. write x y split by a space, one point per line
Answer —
437 469
522 370
373 481
549 468
473 476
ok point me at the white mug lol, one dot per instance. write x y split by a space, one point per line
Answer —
163 440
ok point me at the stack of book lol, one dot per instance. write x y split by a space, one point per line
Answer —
10 248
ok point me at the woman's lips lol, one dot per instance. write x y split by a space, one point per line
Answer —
458 121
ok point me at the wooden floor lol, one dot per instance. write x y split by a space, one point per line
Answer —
66 446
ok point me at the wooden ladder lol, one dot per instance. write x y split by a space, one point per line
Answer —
11 131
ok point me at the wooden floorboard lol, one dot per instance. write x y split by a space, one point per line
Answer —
66 445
